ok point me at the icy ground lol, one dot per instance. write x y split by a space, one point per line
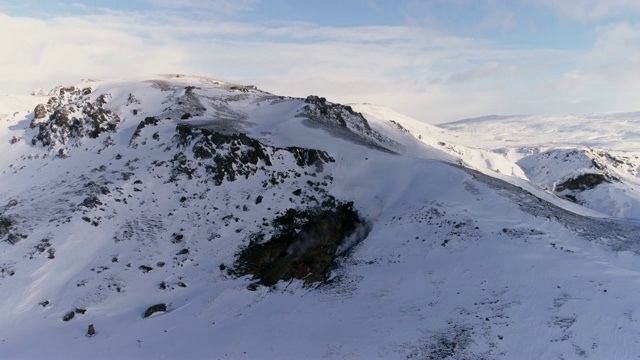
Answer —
119 195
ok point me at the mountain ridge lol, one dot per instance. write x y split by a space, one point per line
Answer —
427 250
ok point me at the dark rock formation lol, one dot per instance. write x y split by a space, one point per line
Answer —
228 157
70 116
68 316
154 309
91 330
148 121
304 247
582 182
343 122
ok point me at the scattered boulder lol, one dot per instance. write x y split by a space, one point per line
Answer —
39 112
91 202
68 316
154 309
91 331
5 226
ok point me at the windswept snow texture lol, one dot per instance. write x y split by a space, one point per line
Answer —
468 247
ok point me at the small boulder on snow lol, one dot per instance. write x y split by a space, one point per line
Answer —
154 309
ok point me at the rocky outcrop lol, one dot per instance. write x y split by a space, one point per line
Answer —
148 121
337 113
154 309
221 157
582 182
342 121
70 116
305 246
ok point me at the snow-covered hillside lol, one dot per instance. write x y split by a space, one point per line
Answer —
184 217
591 160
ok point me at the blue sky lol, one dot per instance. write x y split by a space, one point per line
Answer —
435 60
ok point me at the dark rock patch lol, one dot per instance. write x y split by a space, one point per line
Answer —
582 182
69 116
154 309
177 238
148 121
305 245
14 238
343 122
5 226
220 157
91 202
68 316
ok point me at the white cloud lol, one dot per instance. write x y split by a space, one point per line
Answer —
589 10
217 6
40 52
432 76
486 70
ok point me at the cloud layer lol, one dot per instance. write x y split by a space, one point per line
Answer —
434 74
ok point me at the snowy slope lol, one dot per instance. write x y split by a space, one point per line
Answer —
590 160
120 195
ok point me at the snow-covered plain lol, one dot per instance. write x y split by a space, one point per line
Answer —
473 250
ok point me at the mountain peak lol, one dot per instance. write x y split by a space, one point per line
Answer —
187 217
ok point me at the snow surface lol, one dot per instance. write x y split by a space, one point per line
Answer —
471 255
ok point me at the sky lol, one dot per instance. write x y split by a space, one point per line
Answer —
434 60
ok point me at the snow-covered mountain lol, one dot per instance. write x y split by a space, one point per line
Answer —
593 160
185 217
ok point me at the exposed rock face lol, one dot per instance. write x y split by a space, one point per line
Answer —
71 116
572 170
342 121
227 157
582 182
148 121
5 226
154 309
305 246
336 112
